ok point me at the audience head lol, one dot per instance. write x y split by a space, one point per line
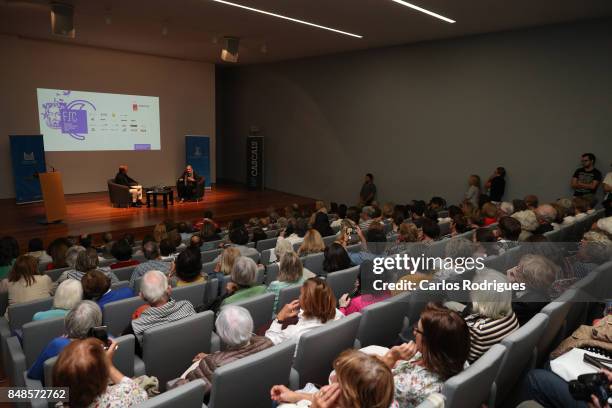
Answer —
129 238
437 203
443 338
488 302
234 325
239 236
87 260
209 230
107 237
342 209
604 225
489 210
431 214
587 160
72 254
312 242
595 247
317 300
85 240
123 168
189 265
154 288
459 248
196 242
166 247
160 232
57 251
519 205
83 367
122 250
150 250
506 208
352 213
26 268
430 228
290 268
580 205
35 245
182 228
510 228
9 250
80 319
282 247
228 258
95 285
535 271
244 272
259 234
531 201
454 210
335 258
408 232
68 294
321 224
528 220
175 238
365 381
460 224
474 180
545 213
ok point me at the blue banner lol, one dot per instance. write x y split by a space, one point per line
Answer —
28 158
197 153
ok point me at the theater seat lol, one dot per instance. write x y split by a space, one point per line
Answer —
260 307
188 395
380 324
342 282
119 194
287 295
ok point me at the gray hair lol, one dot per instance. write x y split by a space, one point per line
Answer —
536 271
72 254
596 246
85 315
68 294
491 303
546 213
154 286
507 207
87 260
244 271
528 220
283 246
234 325
459 248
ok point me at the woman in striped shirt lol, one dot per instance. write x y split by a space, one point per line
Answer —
491 317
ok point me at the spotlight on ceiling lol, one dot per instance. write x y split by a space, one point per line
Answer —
62 20
229 53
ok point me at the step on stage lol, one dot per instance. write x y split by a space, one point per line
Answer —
92 213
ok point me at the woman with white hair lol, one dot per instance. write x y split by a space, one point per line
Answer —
529 223
234 326
491 317
77 324
282 247
243 284
68 294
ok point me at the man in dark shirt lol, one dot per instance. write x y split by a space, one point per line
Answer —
497 184
587 178
135 188
368 190
187 184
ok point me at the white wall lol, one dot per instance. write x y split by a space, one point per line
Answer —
423 117
186 93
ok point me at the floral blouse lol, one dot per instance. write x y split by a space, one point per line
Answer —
124 394
414 383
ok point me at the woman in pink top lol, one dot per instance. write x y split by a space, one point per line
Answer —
364 293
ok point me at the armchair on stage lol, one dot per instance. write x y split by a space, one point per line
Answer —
119 194
191 191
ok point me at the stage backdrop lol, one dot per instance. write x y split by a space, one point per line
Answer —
28 159
197 153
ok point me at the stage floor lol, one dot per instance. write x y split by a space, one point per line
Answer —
92 213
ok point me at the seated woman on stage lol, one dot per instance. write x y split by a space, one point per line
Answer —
187 184
135 188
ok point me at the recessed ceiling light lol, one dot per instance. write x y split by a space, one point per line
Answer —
422 10
295 20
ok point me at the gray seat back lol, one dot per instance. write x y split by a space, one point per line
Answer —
330 239
260 275
260 307
260 371
473 386
255 257
54 274
520 355
314 263
342 282
265 256
36 336
168 349
22 313
193 293
118 315
326 343
209 267
188 395
287 295
125 273
264 244
380 324
209 256
555 329
271 273
120 285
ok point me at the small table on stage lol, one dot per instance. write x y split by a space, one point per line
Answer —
165 193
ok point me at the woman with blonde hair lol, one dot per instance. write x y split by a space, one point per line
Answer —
226 262
291 273
360 381
312 244
473 192
159 232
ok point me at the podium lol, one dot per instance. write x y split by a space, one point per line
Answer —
53 197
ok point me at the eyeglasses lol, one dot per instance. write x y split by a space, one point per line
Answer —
416 330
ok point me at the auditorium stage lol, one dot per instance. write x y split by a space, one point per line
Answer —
92 213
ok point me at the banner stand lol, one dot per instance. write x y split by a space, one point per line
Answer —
255 163
28 160
197 153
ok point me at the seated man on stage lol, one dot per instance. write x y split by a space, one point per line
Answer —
135 188
187 184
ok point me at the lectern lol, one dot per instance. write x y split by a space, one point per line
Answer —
53 196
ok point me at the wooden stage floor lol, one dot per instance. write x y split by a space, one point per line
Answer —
92 213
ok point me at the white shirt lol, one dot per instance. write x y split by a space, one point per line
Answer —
277 335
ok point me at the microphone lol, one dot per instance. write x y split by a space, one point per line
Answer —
51 166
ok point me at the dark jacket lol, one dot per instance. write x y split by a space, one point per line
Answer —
125 180
211 362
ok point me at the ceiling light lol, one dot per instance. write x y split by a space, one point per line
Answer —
422 10
295 20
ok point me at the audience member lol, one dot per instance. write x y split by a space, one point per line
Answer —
486 242
509 232
291 273
77 325
408 234
364 294
225 264
57 251
368 190
243 283
160 232
107 245
25 283
312 244
586 179
430 230
188 268
167 250
529 223
37 250
335 258
342 209
496 184
321 224
86 368
531 201
67 295
86 260
282 247
153 262
473 192
122 251
97 287
546 215
489 214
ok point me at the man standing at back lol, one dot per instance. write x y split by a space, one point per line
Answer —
587 178
368 190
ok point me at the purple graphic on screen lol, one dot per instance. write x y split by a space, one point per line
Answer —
70 118
143 146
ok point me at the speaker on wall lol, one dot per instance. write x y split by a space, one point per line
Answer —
229 53
62 20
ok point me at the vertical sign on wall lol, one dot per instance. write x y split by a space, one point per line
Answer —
255 162
28 159
197 153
